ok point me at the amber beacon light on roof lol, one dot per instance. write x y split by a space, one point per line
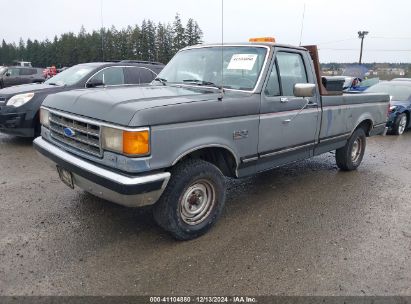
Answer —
262 39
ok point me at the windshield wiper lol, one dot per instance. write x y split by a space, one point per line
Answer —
56 84
162 80
202 83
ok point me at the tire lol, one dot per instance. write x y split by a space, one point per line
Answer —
192 201
350 156
400 124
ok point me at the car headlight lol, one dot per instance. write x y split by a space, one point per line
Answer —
44 117
393 108
132 143
20 99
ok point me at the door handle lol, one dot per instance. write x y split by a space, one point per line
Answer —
299 112
284 99
312 104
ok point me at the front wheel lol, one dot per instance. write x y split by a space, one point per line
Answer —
350 156
193 200
400 124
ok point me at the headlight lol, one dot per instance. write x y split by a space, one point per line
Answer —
44 117
133 143
20 99
392 108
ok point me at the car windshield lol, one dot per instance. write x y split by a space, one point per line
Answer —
398 92
242 66
70 76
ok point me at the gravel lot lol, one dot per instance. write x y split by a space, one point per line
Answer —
304 229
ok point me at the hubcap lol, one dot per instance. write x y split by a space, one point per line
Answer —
402 124
197 202
356 150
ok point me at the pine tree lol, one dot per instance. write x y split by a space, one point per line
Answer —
148 42
179 40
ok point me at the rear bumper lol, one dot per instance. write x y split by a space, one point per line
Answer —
126 190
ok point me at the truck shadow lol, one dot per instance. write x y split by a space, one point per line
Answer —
293 186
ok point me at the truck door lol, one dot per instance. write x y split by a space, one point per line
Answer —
288 124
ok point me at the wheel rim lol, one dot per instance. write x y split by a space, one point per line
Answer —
197 202
356 150
402 125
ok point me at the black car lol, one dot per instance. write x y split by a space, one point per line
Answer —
19 105
400 104
15 75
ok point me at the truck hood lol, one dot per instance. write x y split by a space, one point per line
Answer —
27 88
118 105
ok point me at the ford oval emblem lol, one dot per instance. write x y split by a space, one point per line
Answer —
69 132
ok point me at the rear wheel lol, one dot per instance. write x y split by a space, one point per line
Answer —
193 200
400 124
350 156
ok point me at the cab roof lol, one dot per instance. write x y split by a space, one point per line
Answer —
268 44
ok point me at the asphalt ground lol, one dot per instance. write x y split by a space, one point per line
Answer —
303 229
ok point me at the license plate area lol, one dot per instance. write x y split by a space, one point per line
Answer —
66 177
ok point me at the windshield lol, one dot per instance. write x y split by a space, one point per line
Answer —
398 92
70 76
202 66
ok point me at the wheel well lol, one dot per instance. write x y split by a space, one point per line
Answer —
408 116
222 158
366 125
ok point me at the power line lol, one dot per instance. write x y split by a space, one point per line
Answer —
394 38
336 41
368 50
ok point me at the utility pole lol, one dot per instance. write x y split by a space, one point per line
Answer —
361 35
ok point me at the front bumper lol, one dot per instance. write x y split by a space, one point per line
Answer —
126 190
16 124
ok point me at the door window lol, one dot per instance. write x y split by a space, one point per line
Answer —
27 72
292 71
273 86
137 75
111 76
14 71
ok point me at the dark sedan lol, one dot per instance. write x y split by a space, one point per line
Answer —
15 75
400 104
19 105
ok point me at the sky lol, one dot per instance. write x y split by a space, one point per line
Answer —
331 24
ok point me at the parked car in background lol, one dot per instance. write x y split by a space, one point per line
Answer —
400 104
16 75
22 63
19 105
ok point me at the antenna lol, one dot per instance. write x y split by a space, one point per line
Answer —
302 25
102 29
222 51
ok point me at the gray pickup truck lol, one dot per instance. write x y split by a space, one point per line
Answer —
212 112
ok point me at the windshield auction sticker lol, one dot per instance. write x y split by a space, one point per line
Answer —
242 62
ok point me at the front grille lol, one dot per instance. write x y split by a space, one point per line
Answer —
2 100
86 136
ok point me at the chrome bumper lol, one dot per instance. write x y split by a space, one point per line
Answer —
126 190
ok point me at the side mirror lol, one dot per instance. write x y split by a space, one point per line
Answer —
7 74
304 90
94 83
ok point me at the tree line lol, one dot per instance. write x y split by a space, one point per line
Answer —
149 42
